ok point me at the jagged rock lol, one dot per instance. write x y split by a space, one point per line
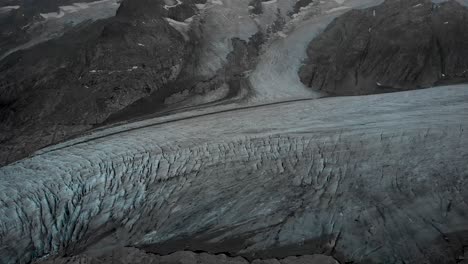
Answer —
71 83
135 256
141 9
301 4
319 259
399 45
28 23
181 11
113 70
15 23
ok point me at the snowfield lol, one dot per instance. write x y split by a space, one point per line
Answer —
381 177
6 9
55 24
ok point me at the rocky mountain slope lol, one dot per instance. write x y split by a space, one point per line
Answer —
78 71
399 45
75 81
83 67
24 24
135 256
353 180
69 74
193 131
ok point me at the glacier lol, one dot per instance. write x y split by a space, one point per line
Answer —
368 178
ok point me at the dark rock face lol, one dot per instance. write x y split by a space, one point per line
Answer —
34 7
140 8
181 12
14 24
234 75
69 84
300 4
398 45
256 6
107 71
135 256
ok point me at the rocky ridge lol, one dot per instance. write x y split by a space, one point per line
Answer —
135 256
150 56
399 45
69 84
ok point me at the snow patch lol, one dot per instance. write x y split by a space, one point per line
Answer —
54 24
53 15
175 22
182 27
132 68
282 34
217 2
69 9
8 8
270 2
340 8
168 6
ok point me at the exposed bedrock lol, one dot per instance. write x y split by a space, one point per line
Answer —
380 179
399 45
151 56
24 24
69 84
135 256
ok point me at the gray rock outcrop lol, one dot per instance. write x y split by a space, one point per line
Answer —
399 45
135 256
112 70
70 84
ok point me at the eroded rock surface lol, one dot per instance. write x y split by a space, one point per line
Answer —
376 179
399 45
24 24
135 256
150 55
69 84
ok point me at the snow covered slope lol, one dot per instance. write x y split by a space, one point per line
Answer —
222 21
275 78
376 178
55 24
